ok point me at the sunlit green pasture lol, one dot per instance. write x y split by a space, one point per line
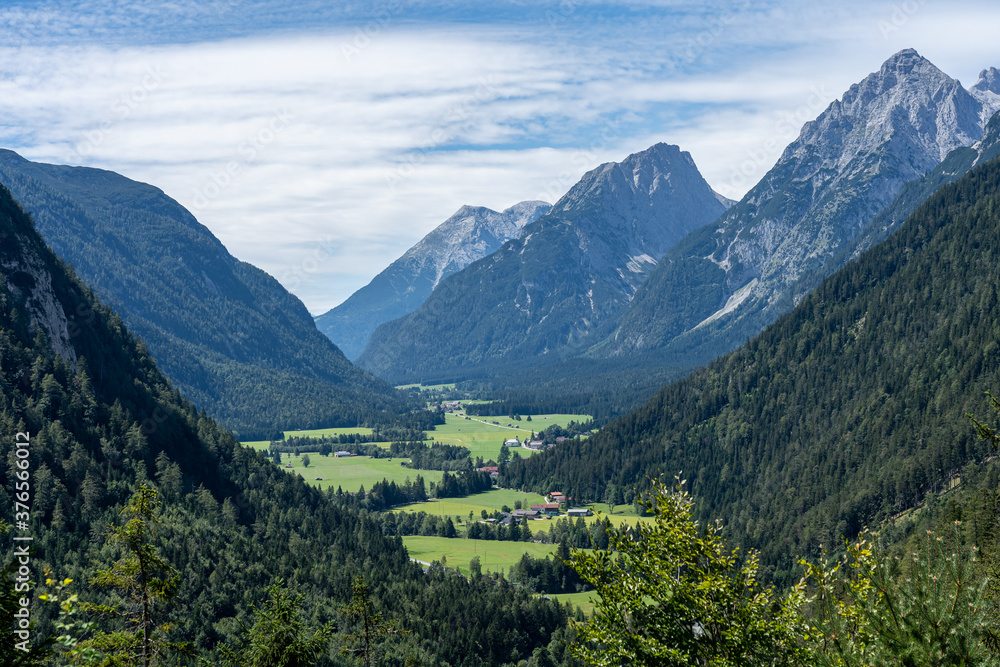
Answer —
351 473
311 433
484 438
489 501
321 432
493 554
585 601
427 387
622 514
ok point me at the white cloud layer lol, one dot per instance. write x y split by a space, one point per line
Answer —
321 156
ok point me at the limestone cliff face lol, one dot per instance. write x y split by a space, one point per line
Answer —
987 91
26 270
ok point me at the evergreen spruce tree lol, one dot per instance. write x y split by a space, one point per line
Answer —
278 636
145 580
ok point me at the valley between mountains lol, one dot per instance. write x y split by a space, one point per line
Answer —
511 446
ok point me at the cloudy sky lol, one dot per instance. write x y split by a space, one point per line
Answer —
319 142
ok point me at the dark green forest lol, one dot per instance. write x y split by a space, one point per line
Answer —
228 335
232 524
843 413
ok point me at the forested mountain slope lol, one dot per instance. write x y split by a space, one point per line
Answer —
472 233
541 295
845 411
102 420
227 334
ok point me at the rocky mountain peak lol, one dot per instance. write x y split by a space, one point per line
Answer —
987 91
471 233
909 100
643 172
576 267
989 79
905 61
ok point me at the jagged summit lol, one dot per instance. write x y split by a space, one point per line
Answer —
987 91
989 78
908 94
641 193
472 233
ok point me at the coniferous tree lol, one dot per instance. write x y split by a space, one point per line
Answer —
672 595
278 636
372 626
145 579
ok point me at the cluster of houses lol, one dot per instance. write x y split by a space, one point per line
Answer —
535 445
542 511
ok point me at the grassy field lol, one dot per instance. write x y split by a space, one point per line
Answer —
350 473
583 600
427 387
623 514
256 444
459 551
489 501
320 432
314 433
485 439
482 439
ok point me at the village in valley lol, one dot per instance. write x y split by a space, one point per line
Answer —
496 526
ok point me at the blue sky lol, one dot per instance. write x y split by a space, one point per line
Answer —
320 141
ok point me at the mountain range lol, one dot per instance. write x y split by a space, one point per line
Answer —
543 293
844 412
727 281
727 278
862 273
228 335
472 233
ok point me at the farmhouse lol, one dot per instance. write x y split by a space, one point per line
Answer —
341 454
494 471
578 511
548 509
512 442
525 514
